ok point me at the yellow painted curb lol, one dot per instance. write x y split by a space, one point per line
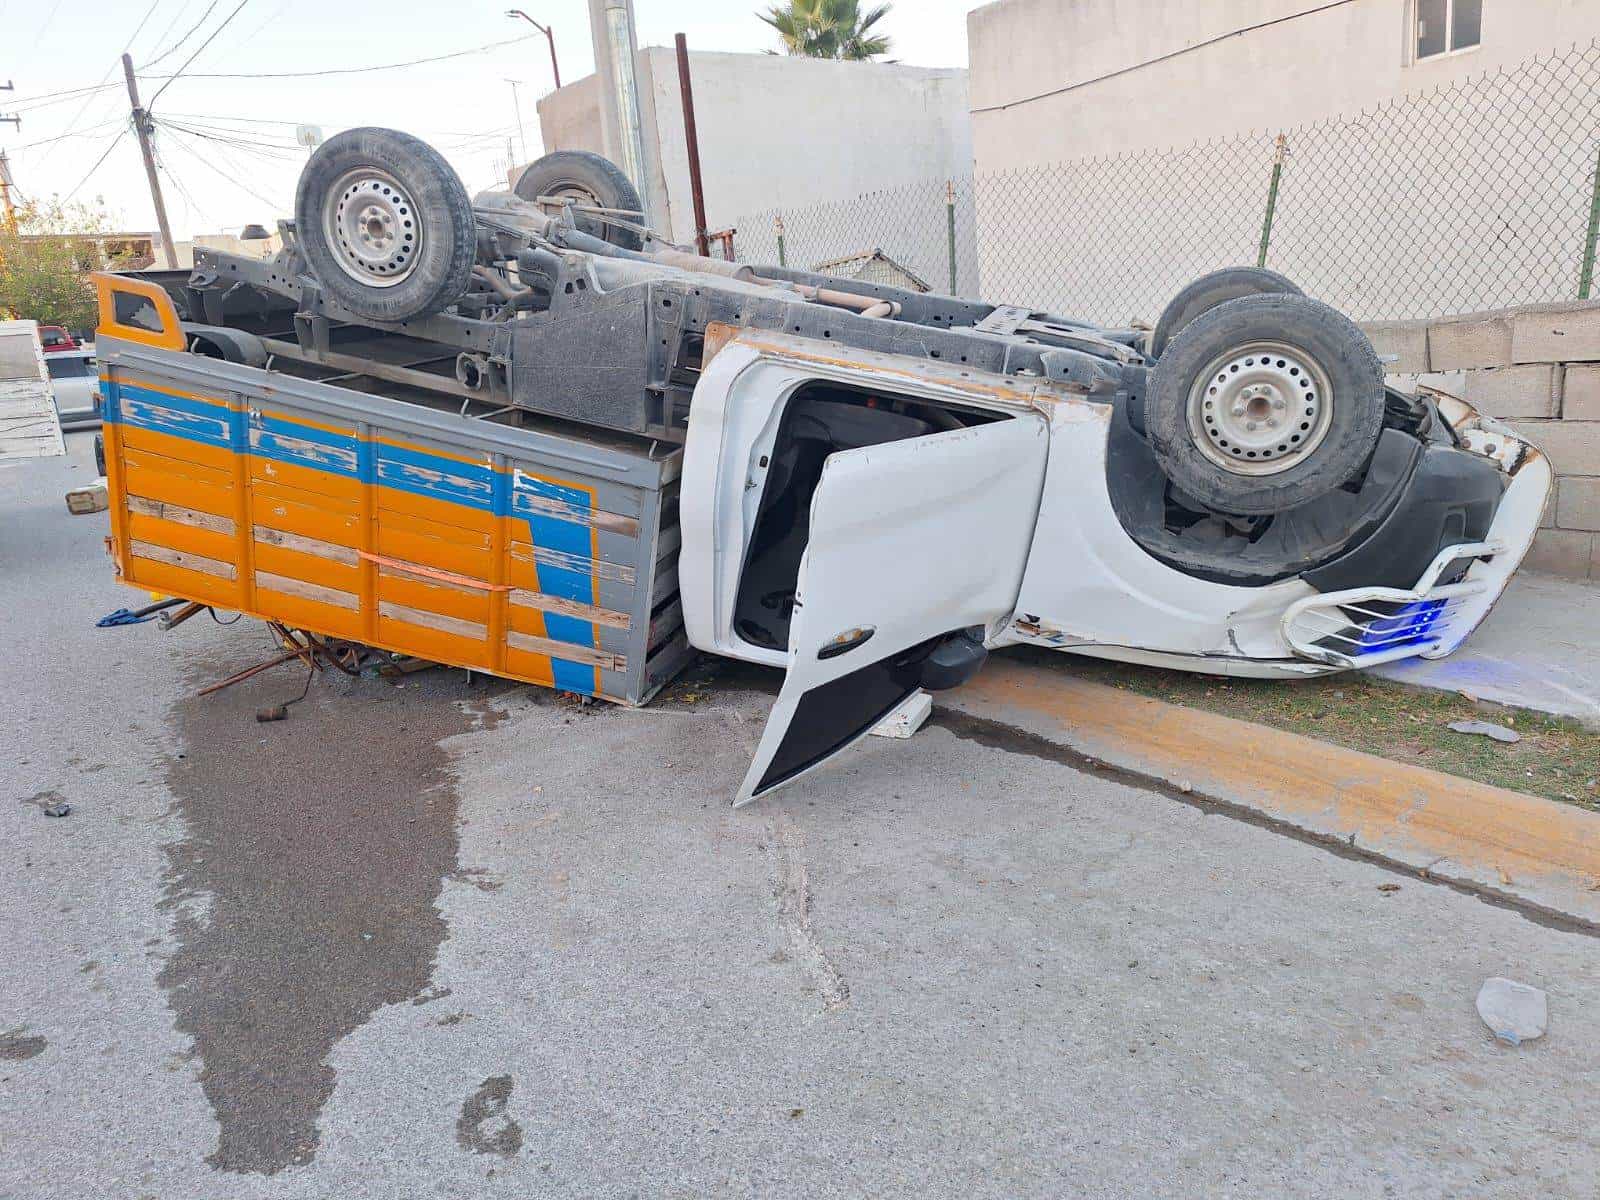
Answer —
1504 840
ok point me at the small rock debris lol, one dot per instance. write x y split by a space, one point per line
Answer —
1486 729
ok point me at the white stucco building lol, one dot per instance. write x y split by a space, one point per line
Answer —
1068 79
777 131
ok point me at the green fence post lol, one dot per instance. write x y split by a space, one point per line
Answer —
1272 200
1586 275
950 228
777 223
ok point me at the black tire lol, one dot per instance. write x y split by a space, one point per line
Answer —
100 454
589 179
1262 350
427 235
1208 291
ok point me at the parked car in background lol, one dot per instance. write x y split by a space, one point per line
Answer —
56 338
77 387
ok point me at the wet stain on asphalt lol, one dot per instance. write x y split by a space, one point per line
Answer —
18 1044
305 890
484 1127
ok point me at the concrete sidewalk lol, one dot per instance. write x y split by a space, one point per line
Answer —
1539 649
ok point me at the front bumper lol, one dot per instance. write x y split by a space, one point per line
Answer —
1366 626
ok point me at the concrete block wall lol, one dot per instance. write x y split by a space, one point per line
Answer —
1538 369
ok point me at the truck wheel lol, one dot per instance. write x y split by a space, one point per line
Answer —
1264 403
385 224
1211 290
589 179
100 454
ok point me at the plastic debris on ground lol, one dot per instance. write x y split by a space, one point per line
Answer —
1514 1012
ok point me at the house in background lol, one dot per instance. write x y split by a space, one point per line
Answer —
776 131
1053 80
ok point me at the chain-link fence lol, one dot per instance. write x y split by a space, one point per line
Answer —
1478 195
925 230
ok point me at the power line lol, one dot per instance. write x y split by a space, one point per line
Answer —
415 62
180 141
48 98
197 53
115 139
189 33
87 131
171 25
90 99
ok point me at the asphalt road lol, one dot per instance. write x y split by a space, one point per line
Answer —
462 939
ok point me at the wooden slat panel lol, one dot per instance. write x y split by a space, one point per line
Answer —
306 479
587 655
417 545
294 565
392 501
177 481
187 539
432 620
428 595
266 580
281 505
160 577
178 558
179 515
218 458
524 598
528 556
298 613
316 547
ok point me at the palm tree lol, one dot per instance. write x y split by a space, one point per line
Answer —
828 28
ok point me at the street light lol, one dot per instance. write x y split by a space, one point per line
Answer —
555 67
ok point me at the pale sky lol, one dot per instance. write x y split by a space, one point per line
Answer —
237 162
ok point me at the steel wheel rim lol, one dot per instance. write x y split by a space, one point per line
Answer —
371 226
1260 409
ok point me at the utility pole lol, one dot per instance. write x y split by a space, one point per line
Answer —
611 27
516 104
8 219
142 125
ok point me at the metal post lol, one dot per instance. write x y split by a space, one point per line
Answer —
783 257
950 228
692 136
612 26
1586 275
1272 199
141 126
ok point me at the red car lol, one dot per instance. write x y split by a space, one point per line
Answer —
55 337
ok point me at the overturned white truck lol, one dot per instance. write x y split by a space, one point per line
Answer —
524 434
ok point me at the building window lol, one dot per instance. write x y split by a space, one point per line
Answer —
1446 26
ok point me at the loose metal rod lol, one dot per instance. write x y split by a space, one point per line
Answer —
702 244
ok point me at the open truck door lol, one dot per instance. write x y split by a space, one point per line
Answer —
916 550
863 526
